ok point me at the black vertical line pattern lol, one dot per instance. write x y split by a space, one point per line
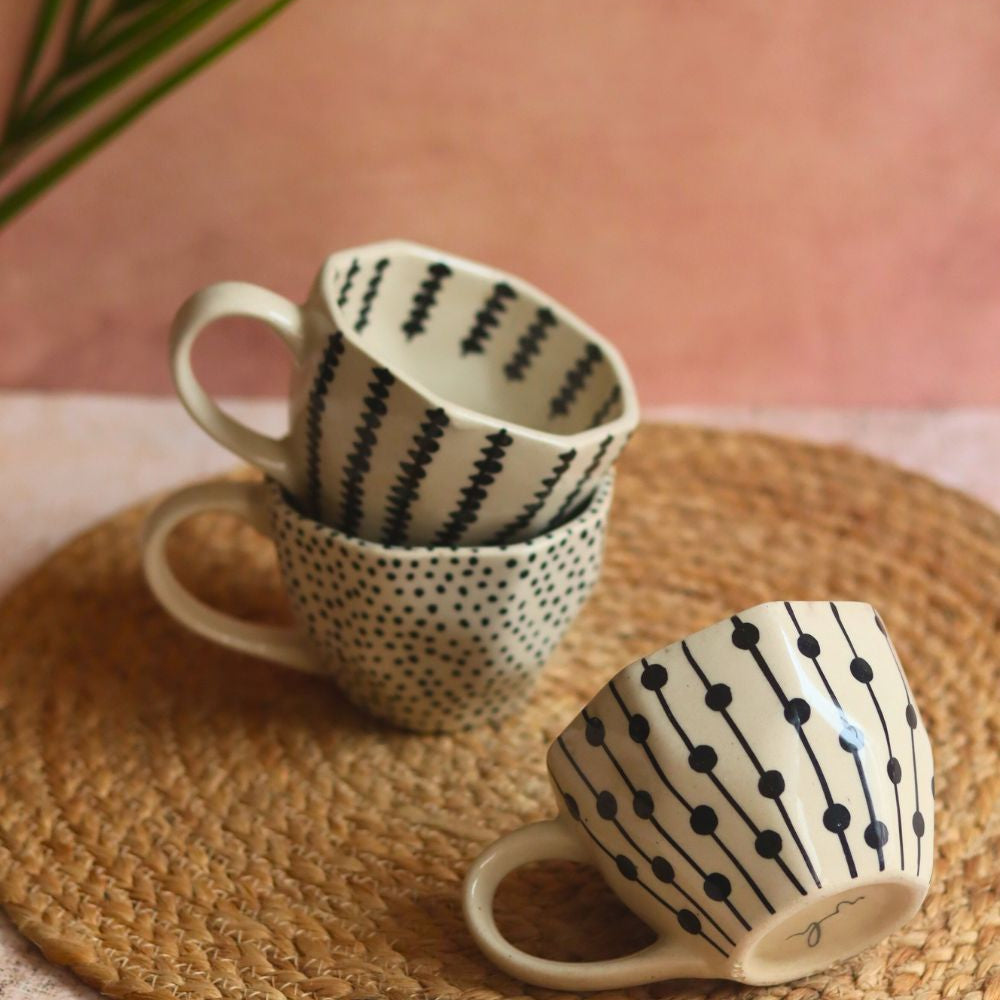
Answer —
322 381
487 469
790 714
848 738
723 791
488 317
601 414
529 344
885 728
574 380
755 761
358 461
665 834
425 299
911 721
404 492
371 293
687 805
635 847
345 288
527 515
571 498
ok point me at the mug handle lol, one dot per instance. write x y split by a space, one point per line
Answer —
234 298
547 840
280 643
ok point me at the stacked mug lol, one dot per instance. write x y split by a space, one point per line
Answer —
439 502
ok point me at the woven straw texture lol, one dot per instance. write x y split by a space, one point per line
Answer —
179 821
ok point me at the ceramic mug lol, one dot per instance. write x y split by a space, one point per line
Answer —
433 400
430 639
760 794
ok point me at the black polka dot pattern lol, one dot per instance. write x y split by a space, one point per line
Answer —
437 639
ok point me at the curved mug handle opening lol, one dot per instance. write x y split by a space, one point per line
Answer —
544 841
280 643
234 298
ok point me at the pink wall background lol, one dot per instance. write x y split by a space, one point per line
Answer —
794 202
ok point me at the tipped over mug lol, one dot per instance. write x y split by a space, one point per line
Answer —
430 639
760 794
433 400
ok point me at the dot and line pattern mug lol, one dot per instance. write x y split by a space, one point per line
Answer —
430 639
761 794
433 400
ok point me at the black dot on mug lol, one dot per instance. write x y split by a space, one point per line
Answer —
607 805
797 712
745 635
918 823
771 784
876 835
572 805
768 843
911 717
654 676
808 645
861 670
895 770
689 921
718 697
642 803
702 759
717 886
595 731
851 739
837 818
704 820
638 728
627 867
663 869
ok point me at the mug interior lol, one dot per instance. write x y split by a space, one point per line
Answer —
475 337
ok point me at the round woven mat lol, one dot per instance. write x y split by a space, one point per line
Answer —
179 821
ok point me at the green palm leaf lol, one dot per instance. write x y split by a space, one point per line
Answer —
96 56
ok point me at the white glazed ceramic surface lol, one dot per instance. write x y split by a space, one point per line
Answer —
761 794
430 639
433 400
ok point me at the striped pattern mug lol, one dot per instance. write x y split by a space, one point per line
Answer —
761 794
434 401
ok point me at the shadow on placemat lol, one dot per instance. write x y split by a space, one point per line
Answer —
180 821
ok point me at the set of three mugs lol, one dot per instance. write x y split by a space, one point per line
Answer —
760 793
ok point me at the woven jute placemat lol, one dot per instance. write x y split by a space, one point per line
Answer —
179 821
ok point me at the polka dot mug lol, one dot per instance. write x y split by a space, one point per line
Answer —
761 794
431 639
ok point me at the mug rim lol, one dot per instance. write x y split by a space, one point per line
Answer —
596 507
622 424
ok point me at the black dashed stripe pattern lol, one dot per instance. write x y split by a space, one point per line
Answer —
425 299
358 462
521 522
487 469
371 293
574 381
403 494
601 414
345 288
571 498
487 318
325 373
529 344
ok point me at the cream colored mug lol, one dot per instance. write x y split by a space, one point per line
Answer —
761 794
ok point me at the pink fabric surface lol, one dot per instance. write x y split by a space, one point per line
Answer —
784 203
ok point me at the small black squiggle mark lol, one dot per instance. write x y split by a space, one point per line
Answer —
575 380
368 299
487 317
529 344
813 933
425 299
606 407
345 288
325 372
519 523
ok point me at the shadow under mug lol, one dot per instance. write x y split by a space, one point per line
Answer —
430 639
433 400
761 794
